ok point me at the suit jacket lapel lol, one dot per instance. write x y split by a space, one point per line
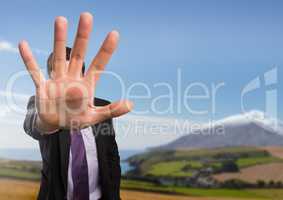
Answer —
64 141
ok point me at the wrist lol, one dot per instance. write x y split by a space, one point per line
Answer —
44 127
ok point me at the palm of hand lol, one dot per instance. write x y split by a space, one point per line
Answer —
67 97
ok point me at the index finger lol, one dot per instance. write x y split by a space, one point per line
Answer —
31 65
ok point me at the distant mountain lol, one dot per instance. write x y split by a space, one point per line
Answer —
250 129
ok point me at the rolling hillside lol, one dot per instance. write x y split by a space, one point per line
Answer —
249 164
23 175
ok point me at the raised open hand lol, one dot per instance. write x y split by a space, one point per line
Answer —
66 99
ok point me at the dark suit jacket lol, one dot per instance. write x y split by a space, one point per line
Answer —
55 157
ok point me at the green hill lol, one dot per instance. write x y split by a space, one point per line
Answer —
25 170
186 163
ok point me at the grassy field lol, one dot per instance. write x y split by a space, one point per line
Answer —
247 162
184 163
255 194
26 170
177 168
19 179
27 190
173 168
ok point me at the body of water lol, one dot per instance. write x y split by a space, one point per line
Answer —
34 155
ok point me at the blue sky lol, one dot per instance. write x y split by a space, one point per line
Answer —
211 42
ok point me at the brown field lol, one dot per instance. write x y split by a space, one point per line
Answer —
265 172
274 151
26 190
18 190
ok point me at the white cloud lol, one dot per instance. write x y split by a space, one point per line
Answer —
7 46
